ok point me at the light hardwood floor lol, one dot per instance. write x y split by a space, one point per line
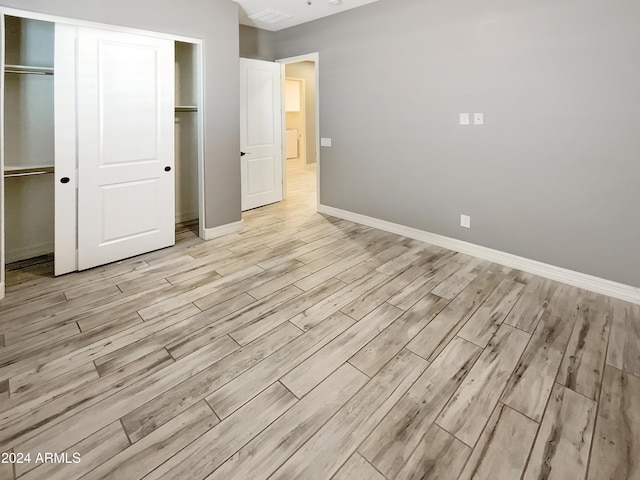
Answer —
308 347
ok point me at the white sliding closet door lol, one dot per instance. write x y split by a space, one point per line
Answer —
125 125
66 178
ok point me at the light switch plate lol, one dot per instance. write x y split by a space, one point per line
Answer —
465 221
478 118
464 119
325 142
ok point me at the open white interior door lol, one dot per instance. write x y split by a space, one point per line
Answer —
260 132
125 105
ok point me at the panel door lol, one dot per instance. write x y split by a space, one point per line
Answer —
260 132
125 105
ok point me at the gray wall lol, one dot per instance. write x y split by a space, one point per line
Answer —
214 21
257 43
553 174
307 71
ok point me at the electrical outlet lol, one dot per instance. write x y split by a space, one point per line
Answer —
465 221
464 119
478 118
325 142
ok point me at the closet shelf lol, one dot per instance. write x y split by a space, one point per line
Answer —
28 69
186 108
27 171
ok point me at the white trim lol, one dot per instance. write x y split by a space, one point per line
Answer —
222 230
2 235
283 129
315 58
577 279
302 146
202 201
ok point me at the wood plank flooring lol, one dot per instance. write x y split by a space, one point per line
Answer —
309 347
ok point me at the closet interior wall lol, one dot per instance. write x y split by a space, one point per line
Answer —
28 138
186 132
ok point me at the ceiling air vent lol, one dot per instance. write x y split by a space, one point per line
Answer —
268 15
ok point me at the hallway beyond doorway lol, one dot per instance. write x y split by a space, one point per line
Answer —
301 183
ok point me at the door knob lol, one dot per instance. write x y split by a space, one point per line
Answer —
65 180
242 154
167 169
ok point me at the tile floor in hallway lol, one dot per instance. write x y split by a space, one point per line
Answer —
308 347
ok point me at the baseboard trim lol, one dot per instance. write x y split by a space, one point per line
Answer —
19 254
582 280
222 230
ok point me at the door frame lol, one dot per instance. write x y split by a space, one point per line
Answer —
198 42
2 190
315 58
302 148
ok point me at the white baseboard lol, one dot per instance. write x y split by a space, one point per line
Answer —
215 232
577 279
30 251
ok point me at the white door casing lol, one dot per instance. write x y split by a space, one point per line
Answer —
125 103
260 132
315 59
2 187
297 87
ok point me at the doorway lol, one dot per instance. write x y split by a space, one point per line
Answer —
301 127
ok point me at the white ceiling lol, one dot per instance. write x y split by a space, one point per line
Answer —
298 10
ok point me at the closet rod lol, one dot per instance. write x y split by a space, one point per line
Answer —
15 171
28 70
186 108
25 174
20 72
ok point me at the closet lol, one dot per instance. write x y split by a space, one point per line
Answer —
102 148
186 132
28 138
